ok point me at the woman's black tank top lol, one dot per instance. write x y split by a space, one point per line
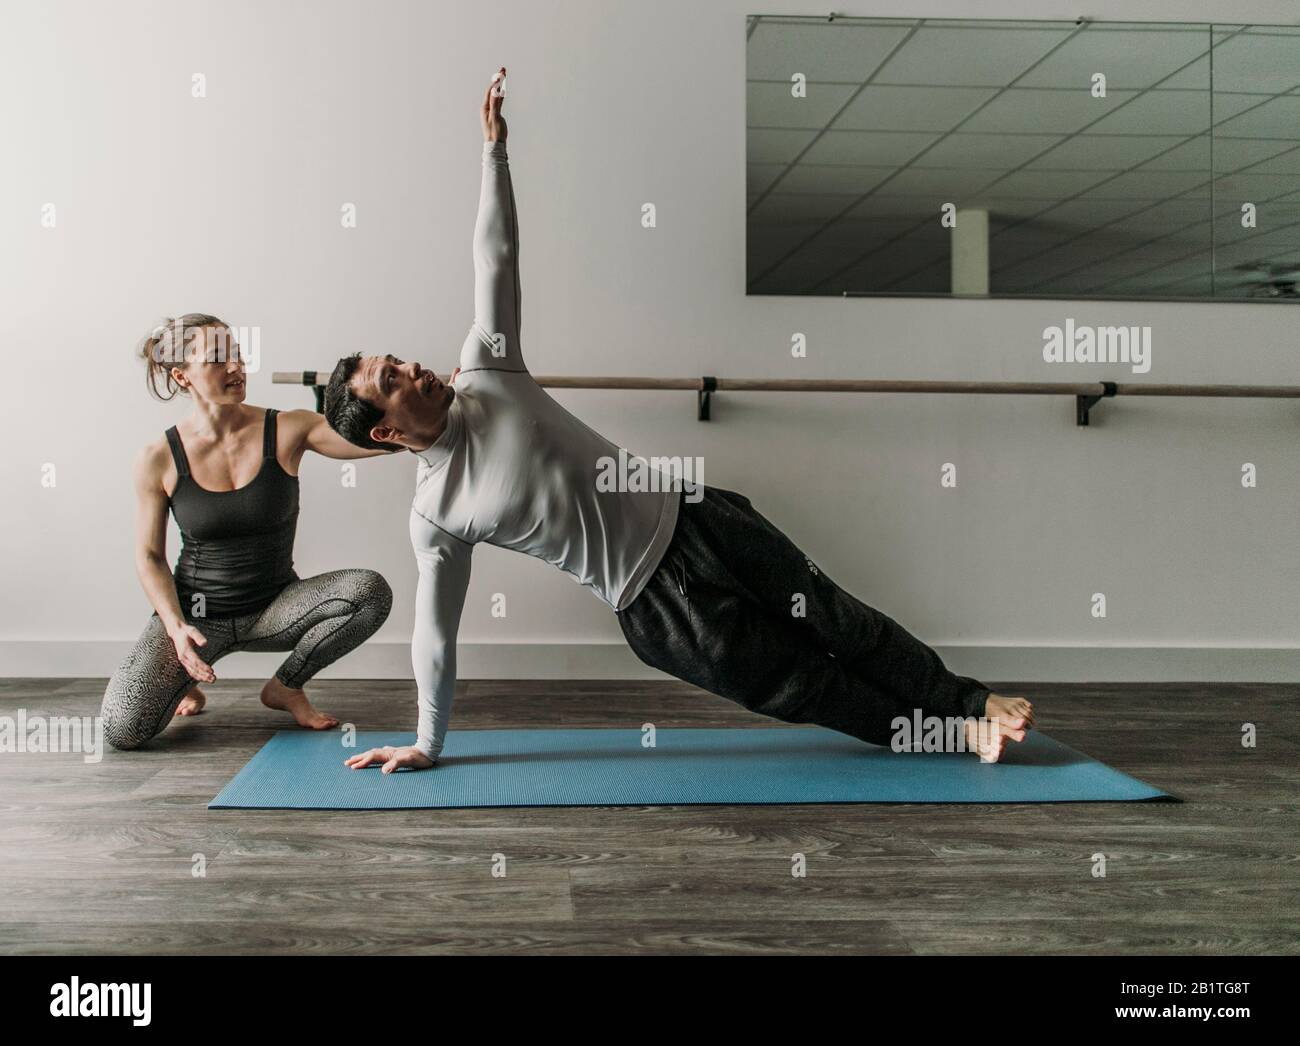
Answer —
236 545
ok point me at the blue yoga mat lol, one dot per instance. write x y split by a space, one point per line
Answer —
304 770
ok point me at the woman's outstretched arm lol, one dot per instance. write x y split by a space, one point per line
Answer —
310 431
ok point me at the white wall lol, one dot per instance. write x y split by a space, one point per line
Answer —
230 204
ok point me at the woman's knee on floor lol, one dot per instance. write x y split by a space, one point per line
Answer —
126 712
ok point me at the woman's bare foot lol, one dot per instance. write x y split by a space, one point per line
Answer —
1005 719
278 696
192 703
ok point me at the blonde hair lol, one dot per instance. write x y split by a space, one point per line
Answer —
167 345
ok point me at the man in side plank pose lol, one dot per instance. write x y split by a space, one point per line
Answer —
703 589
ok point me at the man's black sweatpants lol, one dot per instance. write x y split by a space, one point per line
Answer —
720 612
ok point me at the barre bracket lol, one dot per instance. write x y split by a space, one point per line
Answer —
708 385
309 378
1083 404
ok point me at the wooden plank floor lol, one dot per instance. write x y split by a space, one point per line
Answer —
97 858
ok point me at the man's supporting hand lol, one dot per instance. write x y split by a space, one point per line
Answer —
391 758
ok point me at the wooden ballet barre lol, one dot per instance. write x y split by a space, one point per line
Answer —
1086 394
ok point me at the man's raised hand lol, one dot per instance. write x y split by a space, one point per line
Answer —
494 127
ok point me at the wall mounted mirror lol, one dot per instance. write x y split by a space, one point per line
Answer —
1022 159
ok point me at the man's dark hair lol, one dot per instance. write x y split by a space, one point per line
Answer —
347 413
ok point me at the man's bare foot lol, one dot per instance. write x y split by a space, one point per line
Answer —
1009 708
278 696
192 703
1005 719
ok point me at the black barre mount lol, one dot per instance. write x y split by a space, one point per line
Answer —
1083 404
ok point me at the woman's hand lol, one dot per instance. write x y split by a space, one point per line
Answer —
186 639
392 759
494 127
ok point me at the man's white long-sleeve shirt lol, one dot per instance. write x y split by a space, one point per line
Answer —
515 469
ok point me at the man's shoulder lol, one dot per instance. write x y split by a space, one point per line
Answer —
493 370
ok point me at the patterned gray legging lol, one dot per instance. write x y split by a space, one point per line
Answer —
319 619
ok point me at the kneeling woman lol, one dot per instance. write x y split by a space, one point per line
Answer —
229 474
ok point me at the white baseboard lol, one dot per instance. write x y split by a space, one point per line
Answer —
392 660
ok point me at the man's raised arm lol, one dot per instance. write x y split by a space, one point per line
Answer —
494 339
